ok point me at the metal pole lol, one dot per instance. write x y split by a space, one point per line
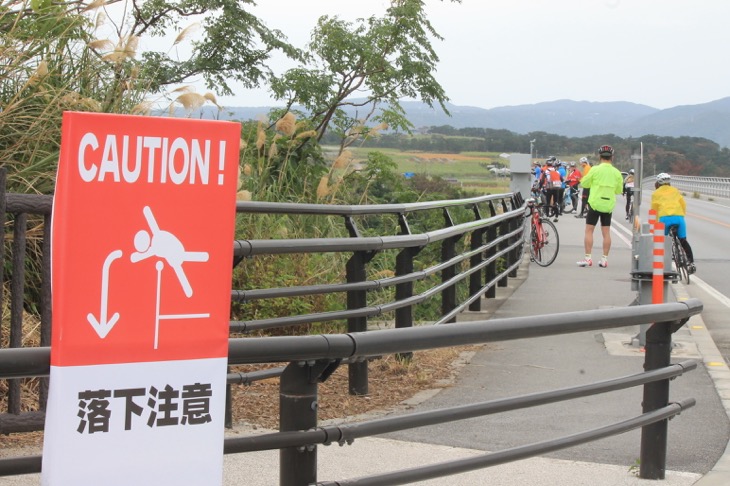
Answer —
448 295
653 456
491 269
475 280
297 411
357 299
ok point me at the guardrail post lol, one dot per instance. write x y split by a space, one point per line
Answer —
17 291
357 299
504 228
514 252
448 251
491 269
404 290
357 372
653 456
475 279
297 411
3 209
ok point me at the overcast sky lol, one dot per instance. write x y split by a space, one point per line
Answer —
661 53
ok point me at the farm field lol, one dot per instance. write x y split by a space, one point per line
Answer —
468 169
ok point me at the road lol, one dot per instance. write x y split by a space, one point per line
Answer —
708 231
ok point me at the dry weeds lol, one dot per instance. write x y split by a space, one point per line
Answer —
390 383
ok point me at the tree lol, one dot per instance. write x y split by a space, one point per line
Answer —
55 59
381 60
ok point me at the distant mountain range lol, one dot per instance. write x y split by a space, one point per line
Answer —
569 118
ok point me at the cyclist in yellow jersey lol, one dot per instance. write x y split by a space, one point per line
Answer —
605 182
671 207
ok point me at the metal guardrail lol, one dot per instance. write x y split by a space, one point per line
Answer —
709 186
312 358
492 255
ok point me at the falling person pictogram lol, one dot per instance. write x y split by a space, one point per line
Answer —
167 246
168 249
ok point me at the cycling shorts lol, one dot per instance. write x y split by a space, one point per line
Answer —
592 217
674 220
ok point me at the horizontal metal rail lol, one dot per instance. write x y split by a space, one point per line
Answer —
247 248
281 292
366 209
376 310
347 433
28 362
450 468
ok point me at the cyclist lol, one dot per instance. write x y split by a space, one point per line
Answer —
629 191
606 182
551 183
572 181
585 167
561 193
671 207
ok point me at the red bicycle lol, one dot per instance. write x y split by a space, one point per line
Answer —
544 239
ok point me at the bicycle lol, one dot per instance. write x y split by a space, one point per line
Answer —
544 239
679 257
630 212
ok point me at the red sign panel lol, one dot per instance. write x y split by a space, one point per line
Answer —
142 239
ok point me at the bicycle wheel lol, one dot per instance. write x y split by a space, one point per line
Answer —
680 260
545 243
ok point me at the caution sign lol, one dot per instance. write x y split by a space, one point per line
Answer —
142 242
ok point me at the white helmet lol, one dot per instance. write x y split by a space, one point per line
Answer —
663 179
584 160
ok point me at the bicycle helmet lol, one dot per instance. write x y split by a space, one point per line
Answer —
572 163
584 160
605 151
631 171
663 179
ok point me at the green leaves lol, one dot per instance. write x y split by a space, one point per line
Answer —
369 64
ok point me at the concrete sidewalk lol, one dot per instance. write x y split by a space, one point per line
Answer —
698 438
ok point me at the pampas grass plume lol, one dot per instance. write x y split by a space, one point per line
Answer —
211 97
94 5
273 149
307 134
191 101
287 124
247 169
343 160
144 108
243 195
323 187
260 137
187 31
130 47
100 20
101 44
40 72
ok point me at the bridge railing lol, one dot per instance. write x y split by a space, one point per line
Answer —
477 243
482 252
709 186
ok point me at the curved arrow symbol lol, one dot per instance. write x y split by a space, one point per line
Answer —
102 326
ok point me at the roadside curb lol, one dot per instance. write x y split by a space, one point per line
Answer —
719 372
